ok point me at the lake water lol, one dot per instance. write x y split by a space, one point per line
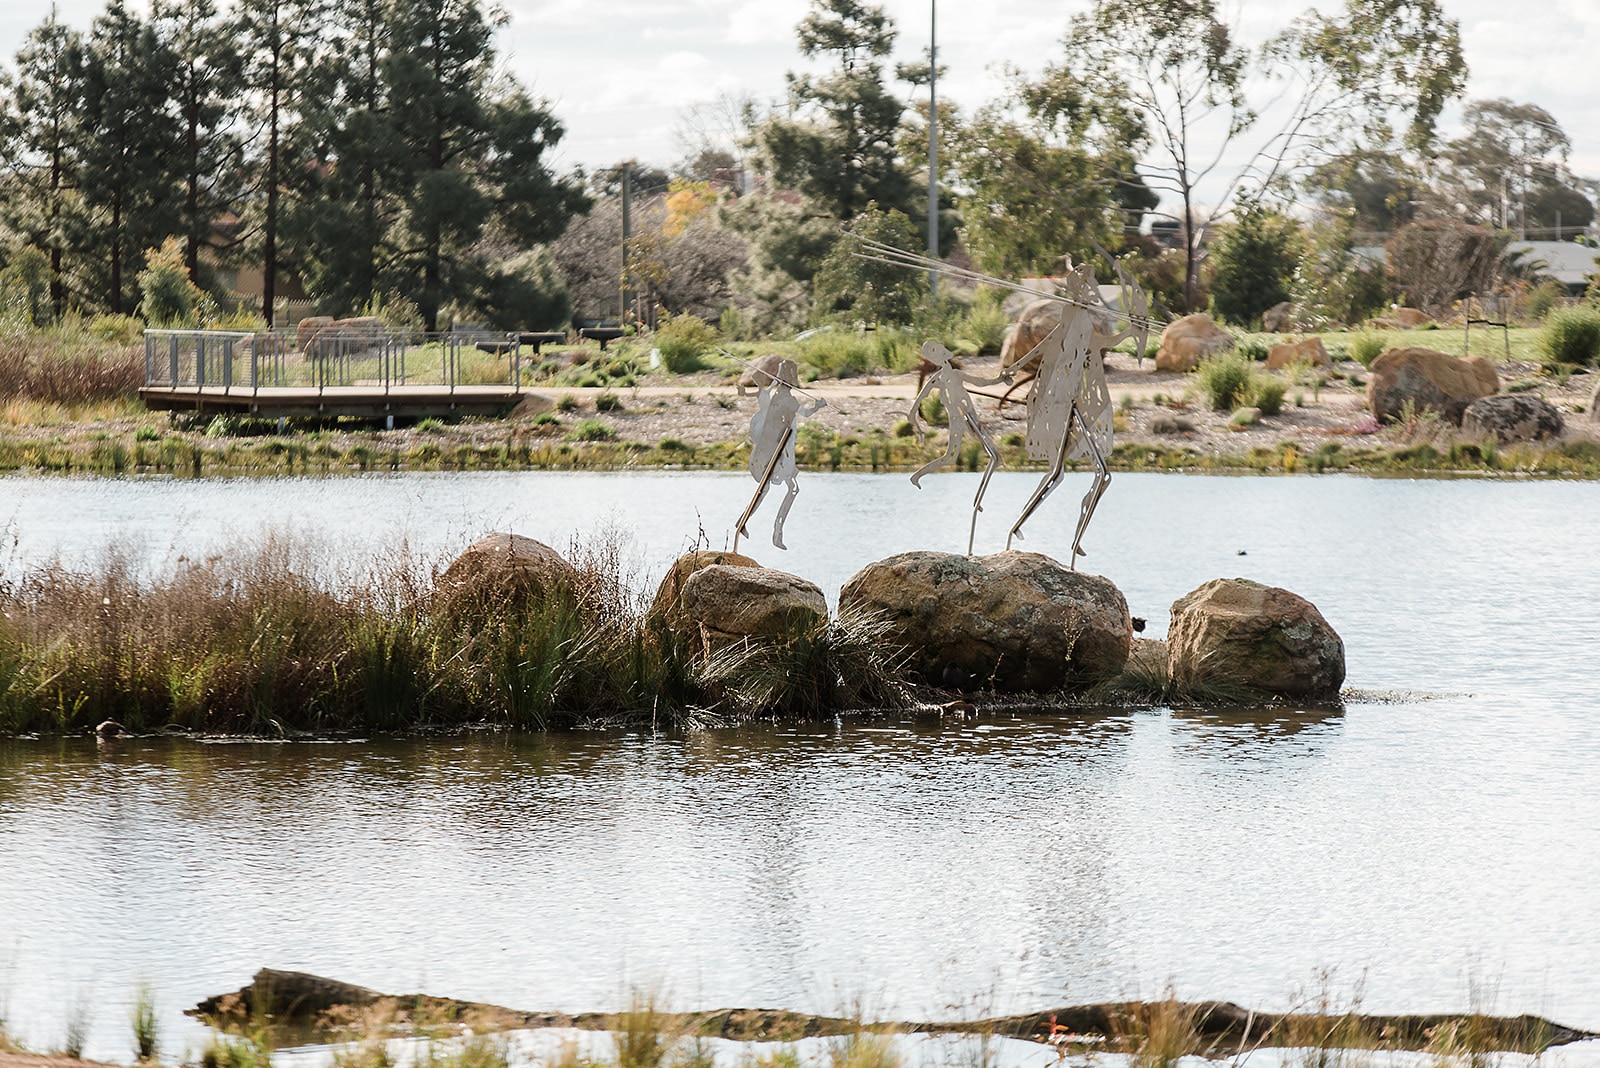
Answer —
1438 840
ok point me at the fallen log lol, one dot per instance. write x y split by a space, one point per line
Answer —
1203 1028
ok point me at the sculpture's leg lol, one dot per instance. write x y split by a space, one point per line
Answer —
983 484
1102 479
1047 484
739 530
783 512
952 450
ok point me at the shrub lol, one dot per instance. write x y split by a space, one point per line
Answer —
591 430
147 433
1225 379
117 329
1545 298
1254 262
682 340
933 411
1367 346
567 403
1570 335
430 425
903 428
1252 348
169 297
986 323
1266 392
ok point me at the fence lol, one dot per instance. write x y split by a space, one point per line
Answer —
247 362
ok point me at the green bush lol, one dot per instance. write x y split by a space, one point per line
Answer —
933 412
608 402
117 329
591 430
1570 335
169 297
986 323
682 340
1254 260
1545 298
567 403
1367 347
1266 392
1225 380
147 433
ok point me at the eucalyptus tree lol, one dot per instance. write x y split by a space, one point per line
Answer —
1509 168
1375 71
39 129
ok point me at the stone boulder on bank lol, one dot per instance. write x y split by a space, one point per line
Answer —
1038 319
761 371
1429 380
1401 319
1509 417
1019 621
509 562
1239 633
1308 350
727 601
1185 342
666 606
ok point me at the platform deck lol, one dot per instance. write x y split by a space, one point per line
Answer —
372 402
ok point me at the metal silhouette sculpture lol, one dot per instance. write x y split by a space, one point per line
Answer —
1069 404
953 383
772 447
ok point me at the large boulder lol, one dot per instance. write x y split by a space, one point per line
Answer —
1018 621
1280 318
665 607
761 371
1308 350
1509 417
1239 633
727 601
1401 319
1038 319
1429 380
1185 342
345 337
308 328
509 562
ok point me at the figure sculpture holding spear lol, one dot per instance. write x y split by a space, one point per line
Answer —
772 442
953 384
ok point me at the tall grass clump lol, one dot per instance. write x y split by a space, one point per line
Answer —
1367 346
1570 336
682 340
146 1035
1225 380
278 638
849 354
67 366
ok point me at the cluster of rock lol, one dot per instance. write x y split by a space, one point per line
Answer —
322 336
1011 622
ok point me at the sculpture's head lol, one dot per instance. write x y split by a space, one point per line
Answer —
788 373
936 353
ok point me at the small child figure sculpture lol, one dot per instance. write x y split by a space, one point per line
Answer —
772 457
952 383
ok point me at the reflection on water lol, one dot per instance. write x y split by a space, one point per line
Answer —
1429 843
909 865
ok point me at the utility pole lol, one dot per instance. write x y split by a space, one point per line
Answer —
627 232
933 144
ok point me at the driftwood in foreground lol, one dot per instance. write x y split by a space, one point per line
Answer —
1205 1028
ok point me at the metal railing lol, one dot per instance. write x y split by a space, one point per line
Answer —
235 361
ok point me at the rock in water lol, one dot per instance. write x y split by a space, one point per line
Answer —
1235 632
1430 380
665 607
1186 341
1509 417
1019 621
1308 350
508 561
727 601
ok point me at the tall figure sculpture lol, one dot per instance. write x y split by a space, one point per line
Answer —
1069 407
952 383
772 441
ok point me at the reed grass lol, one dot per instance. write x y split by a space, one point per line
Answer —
146 1029
276 639
68 367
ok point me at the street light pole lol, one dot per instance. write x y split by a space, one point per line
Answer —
933 144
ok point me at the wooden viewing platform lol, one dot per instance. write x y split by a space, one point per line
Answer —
357 401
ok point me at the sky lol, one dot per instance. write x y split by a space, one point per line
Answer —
620 75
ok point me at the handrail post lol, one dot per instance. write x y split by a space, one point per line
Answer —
172 355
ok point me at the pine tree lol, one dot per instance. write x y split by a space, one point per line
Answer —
39 129
126 142
203 77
